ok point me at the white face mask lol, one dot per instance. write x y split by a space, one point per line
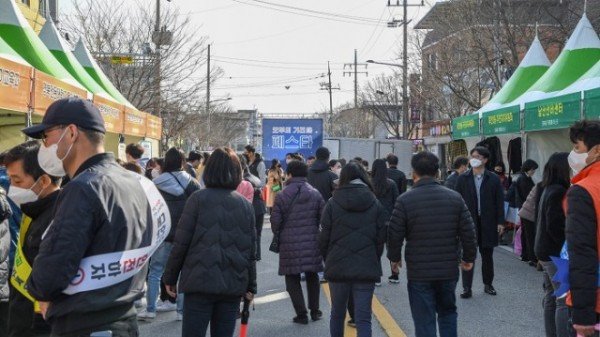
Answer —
337 171
22 196
155 173
577 161
475 163
49 161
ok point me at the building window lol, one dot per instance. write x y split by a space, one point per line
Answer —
42 9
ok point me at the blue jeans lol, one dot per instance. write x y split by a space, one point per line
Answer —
158 261
200 310
362 294
431 300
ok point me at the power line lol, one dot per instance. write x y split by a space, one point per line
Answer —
304 14
336 15
271 61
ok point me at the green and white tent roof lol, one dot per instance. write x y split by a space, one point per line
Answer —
19 35
6 52
533 66
93 69
590 80
581 53
62 52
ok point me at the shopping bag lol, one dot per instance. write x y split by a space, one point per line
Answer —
518 247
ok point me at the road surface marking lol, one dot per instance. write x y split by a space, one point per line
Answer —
271 298
387 322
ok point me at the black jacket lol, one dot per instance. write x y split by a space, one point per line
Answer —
398 177
321 178
550 235
215 245
175 188
21 317
191 171
388 199
451 180
581 236
492 205
353 235
523 186
432 237
103 209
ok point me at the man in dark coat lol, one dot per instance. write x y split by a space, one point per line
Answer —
429 217
38 208
459 167
296 216
320 176
484 196
396 175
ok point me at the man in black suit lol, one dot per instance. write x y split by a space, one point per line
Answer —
484 196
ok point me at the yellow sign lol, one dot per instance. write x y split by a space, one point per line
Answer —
501 118
465 124
121 60
550 110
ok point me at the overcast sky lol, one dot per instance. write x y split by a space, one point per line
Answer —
262 50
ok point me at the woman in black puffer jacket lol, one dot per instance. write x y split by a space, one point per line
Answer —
214 251
351 241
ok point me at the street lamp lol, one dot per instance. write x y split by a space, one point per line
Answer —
404 94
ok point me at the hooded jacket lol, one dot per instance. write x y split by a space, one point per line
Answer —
353 235
321 178
5 213
175 188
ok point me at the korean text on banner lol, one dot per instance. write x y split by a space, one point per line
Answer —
153 127
135 123
48 89
282 136
112 112
15 86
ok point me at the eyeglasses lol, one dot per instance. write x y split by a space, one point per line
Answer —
45 133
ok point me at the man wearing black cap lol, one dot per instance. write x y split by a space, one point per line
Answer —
320 176
102 210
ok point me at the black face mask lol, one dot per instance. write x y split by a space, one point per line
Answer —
498 172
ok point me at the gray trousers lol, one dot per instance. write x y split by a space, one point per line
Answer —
556 313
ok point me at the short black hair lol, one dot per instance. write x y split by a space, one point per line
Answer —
250 148
134 150
322 153
333 162
174 160
365 163
425 164
392 159
586 131
194 155
529 165
311 158
297 169
27 152
223 169
483 151
460 161
133 167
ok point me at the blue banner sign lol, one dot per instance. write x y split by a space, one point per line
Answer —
283 136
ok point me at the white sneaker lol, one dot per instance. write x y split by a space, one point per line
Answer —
146 316
179 317
138 304
164 306
378 284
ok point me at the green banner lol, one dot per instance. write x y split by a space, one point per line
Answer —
553 113
465 126
502 121
591 103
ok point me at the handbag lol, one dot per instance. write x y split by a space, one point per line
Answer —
274 247
276 188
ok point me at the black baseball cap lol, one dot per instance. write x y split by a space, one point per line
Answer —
72 110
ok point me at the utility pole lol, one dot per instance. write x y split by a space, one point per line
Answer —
329 87
208 97
355 73
157 42
405 5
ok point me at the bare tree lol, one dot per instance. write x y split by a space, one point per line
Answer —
126 30
350 122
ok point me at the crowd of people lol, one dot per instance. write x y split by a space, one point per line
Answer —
91 244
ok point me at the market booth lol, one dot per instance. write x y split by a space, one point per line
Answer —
36 71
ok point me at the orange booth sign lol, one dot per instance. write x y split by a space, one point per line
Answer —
15 86
135 122
112 112
48 89
153 127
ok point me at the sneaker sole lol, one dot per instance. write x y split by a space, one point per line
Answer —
394 281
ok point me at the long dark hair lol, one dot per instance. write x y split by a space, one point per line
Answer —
352 171
557 170
275 164
379 177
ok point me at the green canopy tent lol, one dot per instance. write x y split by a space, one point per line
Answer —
91 67
19 35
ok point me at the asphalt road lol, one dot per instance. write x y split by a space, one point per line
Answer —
516 311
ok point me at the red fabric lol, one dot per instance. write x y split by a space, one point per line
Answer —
246 190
